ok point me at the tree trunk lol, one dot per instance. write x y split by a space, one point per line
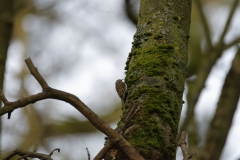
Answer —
6 26
156 70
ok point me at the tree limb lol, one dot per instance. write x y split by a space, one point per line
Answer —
205 24
232 43
88 154
183 145
49 92
233 9
222 120
196 86
121 129
26 154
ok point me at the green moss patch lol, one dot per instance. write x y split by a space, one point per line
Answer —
149 61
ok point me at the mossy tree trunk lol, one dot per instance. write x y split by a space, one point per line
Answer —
156 70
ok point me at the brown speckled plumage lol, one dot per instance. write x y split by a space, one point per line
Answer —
121 89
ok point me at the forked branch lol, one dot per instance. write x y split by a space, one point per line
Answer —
26 154
183 145
49 92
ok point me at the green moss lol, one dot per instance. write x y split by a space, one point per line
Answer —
180 18
146 140
155 80
135 53
157 102
119 123
158 36
136 43
149 62
160 106
167 46
152 137
148 33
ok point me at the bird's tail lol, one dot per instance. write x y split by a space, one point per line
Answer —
122 104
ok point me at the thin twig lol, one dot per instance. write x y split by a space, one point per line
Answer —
24 157
233 9
2 97
57 149
35 73
88 154
183 145
10 156
130 113
5 101
103 151
27 154
205 24
121 129
232 43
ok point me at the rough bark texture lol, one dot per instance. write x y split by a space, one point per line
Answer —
227 105
156 70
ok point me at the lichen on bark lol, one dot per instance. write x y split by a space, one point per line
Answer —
155 75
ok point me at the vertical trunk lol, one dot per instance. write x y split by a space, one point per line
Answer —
156 70
6 26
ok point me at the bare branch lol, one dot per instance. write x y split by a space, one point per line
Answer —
27 154
57 149
103 151
183 145
234 42
3 98
49 92
24 157
35 73
88 154
196 86
130 113
205 24
121 129
233 9
222 120
10 156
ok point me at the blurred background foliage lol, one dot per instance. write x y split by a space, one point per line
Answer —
81 47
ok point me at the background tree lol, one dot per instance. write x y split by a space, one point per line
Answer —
33 33
6 26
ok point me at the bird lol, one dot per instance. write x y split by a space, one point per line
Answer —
121 89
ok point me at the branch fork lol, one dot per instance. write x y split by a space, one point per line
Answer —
48 92
183 145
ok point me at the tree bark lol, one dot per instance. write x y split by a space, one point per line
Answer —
155 76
